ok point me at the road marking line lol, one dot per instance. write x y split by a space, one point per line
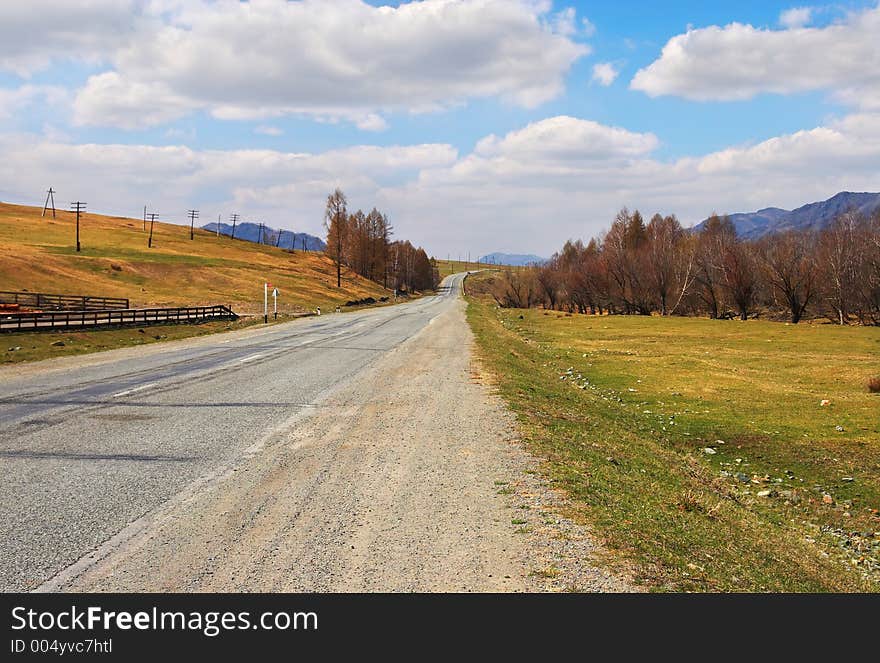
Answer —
131 391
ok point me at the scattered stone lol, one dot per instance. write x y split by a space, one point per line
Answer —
827 499
115 267
847 479
743 478
839 429
58 344
710 451
15 349
824 402
765 493
719 441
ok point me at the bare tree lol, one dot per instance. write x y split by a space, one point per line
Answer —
335 222
789 265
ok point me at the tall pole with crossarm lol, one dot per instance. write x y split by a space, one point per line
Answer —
153 216
78 208
192 214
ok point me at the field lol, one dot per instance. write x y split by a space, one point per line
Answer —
39 255
700 452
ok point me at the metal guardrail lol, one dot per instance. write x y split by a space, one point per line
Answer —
60 320
44 301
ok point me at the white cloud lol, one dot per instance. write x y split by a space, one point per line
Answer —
527 190
127 104
565 22
36 32
589 27
605 73
286 189
738 62
342 59
268 130
566 140
13 101
371 122
796 17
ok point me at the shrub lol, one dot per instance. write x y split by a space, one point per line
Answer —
874 385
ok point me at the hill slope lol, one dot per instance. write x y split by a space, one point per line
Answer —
288 240
39 255
814 216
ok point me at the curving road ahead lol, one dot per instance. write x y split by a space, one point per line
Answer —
89 445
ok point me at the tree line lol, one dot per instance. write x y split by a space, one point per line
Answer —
362 242
660 267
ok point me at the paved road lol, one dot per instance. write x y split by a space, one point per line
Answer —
91 445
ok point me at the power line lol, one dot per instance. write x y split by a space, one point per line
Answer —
79 208
192 214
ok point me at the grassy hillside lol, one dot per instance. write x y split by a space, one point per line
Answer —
39 255
700 450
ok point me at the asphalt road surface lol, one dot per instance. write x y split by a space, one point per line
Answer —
344 452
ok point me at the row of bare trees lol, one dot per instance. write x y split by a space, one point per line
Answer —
660 267
362 242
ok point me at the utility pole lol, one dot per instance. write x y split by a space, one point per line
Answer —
278 238
79 208
153 216
218 226
50 195
193 214
234 218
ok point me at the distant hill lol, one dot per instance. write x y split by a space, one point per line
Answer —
512 259
250 232
814 216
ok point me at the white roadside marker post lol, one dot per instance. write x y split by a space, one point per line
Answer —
275 301
265 303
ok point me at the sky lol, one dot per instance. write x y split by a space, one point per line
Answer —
475 125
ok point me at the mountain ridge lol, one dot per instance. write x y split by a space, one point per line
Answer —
512 259
250 232
812 216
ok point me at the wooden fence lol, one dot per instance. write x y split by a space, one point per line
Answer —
47 302
87 319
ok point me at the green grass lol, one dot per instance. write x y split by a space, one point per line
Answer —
624 434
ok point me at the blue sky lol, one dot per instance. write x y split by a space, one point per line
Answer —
705 117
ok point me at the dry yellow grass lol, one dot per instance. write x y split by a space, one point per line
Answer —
38 254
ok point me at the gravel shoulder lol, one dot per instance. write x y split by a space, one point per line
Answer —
406 478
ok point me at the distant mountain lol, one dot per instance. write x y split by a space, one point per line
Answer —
512 259
814 216
250 232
